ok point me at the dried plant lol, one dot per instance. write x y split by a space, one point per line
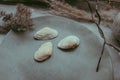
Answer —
104 43
20 21
5 18
64 9
2 13
60 7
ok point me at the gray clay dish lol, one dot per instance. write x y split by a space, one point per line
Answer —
17 51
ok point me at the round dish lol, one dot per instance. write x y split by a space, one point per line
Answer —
17 50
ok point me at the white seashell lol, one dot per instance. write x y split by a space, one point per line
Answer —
46 33
69 42
44 52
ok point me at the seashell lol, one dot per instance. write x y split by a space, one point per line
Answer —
46 33
69 42
44 52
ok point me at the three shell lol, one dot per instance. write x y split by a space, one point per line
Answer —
45 50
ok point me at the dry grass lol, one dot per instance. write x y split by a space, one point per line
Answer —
64 9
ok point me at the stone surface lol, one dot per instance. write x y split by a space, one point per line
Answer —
24 68
2 37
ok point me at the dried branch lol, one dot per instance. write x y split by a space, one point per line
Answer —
113 46
100 31
102 35
102 51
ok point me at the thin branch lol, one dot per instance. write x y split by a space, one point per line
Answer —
102 51
113 46
90 9
100 31
102 35
99 18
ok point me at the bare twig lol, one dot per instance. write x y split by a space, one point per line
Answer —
113 46
102 35
100 31
102 51
90 10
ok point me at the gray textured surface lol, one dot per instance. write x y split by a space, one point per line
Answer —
17 50
2 37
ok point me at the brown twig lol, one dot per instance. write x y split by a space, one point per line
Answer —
113 46
100 31
102 51
102 35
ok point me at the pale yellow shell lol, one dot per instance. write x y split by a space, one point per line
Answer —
69 42
44 52
46 33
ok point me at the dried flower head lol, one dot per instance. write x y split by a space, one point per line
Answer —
20 21
5 18
2 13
